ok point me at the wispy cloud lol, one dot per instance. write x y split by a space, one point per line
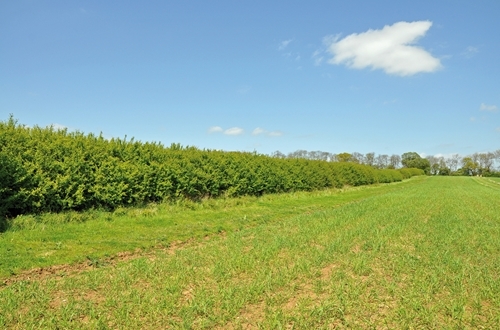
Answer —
284 44
261 131
391 49
215 129
445 156
275 133
234 131
239 131
317 57
258 131
488 107
470 52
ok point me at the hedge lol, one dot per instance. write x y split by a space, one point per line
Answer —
49 170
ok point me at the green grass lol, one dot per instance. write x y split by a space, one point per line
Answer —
494 179
52 239
423 254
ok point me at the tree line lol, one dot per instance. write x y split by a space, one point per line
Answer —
475 164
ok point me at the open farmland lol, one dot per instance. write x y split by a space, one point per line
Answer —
423 253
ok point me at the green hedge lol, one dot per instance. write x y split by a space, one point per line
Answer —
48 170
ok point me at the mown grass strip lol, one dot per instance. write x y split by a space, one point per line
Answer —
426 256
52 239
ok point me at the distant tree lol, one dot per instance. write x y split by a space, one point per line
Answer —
409 158
394 161
453 162
413 160
469 166
485 162
437 164
382 161
434 166
298 154
444 171
278 154
344 157
312 155
318 155
443 168
357 157
326 156
497 154
369 159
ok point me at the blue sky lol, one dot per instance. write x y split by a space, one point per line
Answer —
338 76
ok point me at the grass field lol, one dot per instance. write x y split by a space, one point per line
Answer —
424 253
494 180
52 239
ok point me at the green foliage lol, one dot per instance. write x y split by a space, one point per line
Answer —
345 157
413 160
492 174
49 170
387 176
470 167
444 171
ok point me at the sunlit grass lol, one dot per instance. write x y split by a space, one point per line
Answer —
425 255
497 180
51 239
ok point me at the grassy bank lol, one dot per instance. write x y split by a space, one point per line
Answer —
420 254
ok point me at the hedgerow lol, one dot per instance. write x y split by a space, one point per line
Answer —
49 170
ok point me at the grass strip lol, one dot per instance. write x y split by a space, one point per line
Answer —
66 238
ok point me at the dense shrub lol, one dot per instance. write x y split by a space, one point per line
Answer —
387 176
48 170
409 172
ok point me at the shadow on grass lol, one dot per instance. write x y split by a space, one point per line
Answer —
3 225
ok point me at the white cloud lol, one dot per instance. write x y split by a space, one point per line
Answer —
275 133
487 107
215 129
234 131
390 49
239 131
258 131
443 155
284 44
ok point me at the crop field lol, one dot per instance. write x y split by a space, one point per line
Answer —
419 254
